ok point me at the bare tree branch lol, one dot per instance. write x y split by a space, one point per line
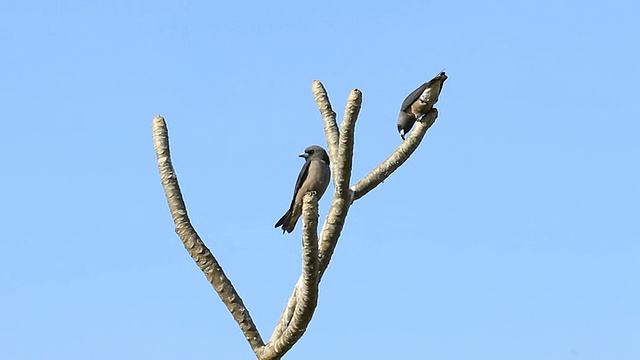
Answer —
345 149
329 118
343 199
397 158
287 314
192 242
341 173
307 286
337 214
316 253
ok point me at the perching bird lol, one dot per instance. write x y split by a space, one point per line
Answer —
314 176
419 102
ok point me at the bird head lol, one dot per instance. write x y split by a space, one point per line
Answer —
315 152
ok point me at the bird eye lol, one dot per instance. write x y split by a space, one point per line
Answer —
310 152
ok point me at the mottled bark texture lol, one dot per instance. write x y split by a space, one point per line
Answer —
316 250
307 286
397 158
192 242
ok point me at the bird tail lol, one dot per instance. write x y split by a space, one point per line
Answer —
287 222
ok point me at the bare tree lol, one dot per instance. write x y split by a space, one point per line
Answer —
316 250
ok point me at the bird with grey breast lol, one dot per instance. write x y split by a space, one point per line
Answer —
419 102
314 177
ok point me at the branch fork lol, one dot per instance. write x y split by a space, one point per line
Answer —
316 249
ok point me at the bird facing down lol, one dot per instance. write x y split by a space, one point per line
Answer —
419 102
314 176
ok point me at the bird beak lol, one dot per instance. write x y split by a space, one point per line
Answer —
304 155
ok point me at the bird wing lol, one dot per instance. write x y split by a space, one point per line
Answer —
301 178
411 98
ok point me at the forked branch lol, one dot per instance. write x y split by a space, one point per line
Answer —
316 250
342 165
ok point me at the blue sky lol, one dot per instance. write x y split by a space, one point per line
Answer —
512 233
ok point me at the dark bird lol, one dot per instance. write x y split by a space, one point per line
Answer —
314 176
419 102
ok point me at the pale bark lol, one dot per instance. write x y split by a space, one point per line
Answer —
331 132
342 141
307 286
316 250
343 198
192 242
397 158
